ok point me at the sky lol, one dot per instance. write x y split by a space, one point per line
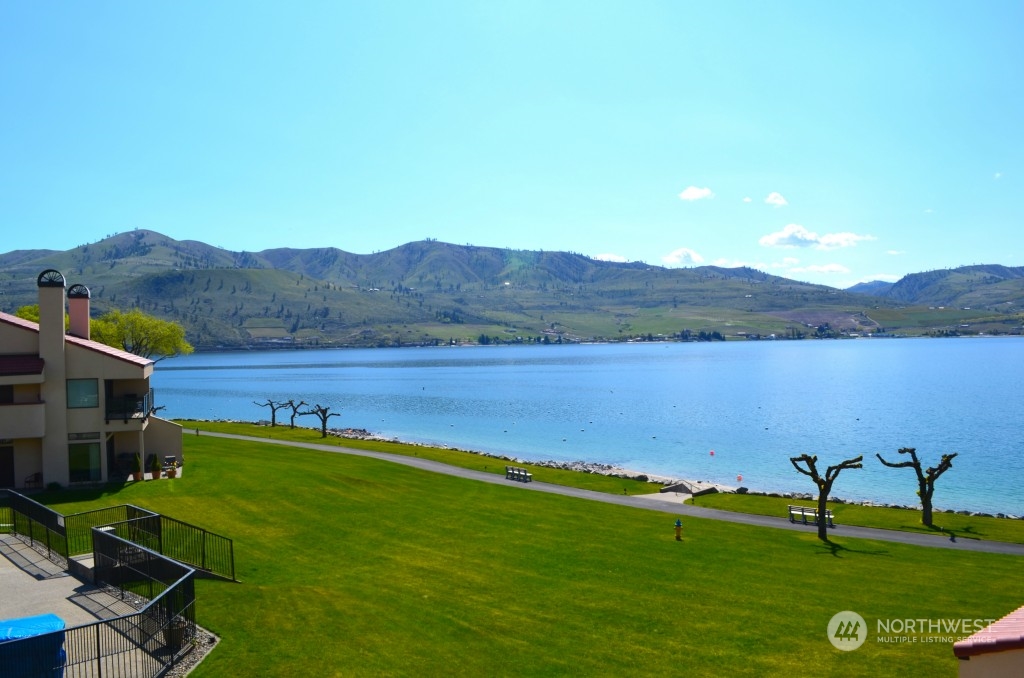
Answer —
828 142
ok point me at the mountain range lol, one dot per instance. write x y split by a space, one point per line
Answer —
430 292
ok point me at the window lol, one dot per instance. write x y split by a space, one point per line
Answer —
84 462
83 393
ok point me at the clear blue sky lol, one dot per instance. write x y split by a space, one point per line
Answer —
832 142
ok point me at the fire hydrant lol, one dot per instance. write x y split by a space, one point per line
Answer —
679 529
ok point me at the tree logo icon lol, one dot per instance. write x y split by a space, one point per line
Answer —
847 630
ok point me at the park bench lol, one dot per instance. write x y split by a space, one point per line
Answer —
518 474
805 511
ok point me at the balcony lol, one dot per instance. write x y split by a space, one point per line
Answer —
129 407
23 420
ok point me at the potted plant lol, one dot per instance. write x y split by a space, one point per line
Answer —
172 470
137 473
175 632
154 467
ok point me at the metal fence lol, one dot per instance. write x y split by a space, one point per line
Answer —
129 406
135 555
140 644
40 527
78 526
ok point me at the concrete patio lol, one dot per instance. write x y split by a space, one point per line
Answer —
32 585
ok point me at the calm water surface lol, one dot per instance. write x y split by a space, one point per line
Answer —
662 408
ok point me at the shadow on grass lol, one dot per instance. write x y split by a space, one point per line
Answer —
969 532
837 550
78 494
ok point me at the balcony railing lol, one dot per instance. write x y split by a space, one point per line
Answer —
130 407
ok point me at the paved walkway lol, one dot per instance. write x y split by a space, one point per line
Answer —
668 502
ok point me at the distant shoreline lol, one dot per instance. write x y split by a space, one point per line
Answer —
618 472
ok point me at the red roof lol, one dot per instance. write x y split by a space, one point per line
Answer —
84 343
108 350
1005 634
19 322
12 365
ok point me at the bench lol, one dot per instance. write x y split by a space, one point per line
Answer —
518 474
805 511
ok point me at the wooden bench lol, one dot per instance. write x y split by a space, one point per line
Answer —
518 474
805 511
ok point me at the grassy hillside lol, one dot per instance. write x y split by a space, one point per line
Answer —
430 292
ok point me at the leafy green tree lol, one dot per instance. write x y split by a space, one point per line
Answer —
31 313
824 484
141 334
925 479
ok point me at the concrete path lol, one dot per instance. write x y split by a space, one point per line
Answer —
667 502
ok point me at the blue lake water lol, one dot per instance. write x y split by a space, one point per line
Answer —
662 408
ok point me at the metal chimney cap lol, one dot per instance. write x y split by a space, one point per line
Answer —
50 278
78 291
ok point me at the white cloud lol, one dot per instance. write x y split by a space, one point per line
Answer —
692 193
682 257
833 241
895 253
775 198
618 258
795 235
747 199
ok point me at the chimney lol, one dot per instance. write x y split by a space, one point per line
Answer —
78 308
51 314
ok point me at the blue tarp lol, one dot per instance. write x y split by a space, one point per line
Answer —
40 658
12 629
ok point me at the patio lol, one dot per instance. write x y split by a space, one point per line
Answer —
33 585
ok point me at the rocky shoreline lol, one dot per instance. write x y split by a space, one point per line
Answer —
704 486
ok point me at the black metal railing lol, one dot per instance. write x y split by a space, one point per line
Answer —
143 643
130 406
78 526
6 515
204 550
38 526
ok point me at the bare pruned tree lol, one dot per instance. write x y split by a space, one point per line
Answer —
824 484
295 409
925 479
324 414
274 407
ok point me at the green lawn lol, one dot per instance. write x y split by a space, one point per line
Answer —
963 527
968 527
354 566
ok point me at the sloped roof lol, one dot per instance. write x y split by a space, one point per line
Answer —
1004 634
78 341
108 350
19 322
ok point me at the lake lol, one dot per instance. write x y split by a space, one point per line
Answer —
662 408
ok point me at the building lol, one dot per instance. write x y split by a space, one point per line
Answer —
72 410
995 651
